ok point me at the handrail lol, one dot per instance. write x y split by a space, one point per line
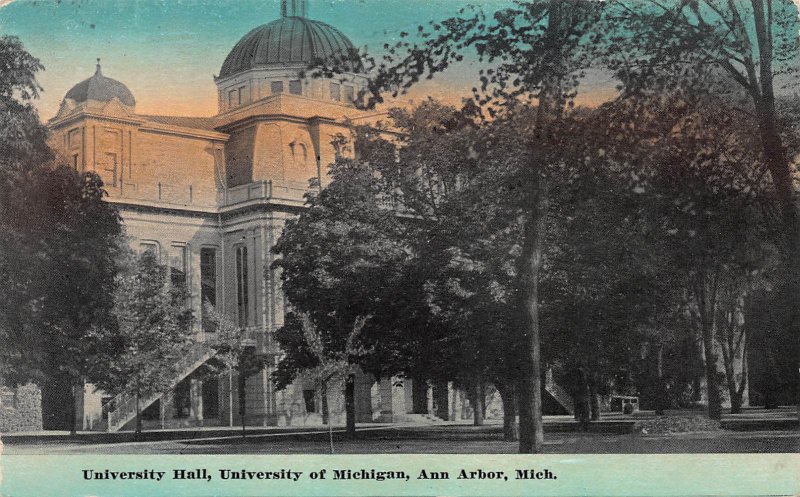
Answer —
122 408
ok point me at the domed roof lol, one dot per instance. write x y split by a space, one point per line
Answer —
101 88
288 40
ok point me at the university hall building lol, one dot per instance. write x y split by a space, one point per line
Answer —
210 195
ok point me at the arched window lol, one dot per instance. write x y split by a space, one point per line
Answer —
304 154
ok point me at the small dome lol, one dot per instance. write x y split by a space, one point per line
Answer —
288 40
102 89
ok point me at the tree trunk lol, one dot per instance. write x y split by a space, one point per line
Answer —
771 381
712 389
73 415
350 405
323 393
736 402
419 395
230 397
531 433
738 397
242 385
583 409
594 402
661 391
138 431
509 411
728 359
477 407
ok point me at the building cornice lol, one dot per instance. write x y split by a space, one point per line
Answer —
142 123
255 118
83 115
151 127
227 212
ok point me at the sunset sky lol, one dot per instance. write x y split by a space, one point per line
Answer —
167 51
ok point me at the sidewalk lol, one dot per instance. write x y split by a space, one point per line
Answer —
751 419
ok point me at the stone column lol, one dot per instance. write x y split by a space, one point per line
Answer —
408 397
385 390
440 400
454 402
196 401
419 396
162 411
363 394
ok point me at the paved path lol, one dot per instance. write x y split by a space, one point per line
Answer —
434 439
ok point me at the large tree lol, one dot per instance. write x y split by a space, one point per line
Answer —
59 242
336 260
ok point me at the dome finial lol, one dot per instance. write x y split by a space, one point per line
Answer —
98 67
294 8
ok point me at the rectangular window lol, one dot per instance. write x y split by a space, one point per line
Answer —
296 87
242 297
208 285
336 92
74 138
232 98
178 266
111 168
349 94
242 95
150 247
276 87
75 161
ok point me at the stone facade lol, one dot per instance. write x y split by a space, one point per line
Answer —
210 196
20 409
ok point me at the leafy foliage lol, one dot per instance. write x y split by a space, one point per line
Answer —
153 331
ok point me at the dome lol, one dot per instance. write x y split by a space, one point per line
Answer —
288 40
102 89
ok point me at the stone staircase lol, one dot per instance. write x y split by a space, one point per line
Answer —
558 392
122 408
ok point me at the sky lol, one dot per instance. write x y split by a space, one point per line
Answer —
167 51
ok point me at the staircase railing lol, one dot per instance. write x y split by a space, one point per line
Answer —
558 392
122 408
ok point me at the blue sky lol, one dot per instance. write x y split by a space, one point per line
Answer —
167 51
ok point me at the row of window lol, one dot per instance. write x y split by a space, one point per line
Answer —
179 269
238 96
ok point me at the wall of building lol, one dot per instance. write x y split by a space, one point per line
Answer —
144 163
177 238
20 409
256 84
173 169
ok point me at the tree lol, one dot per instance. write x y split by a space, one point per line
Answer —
80 251
704 190
329 365
153 329
232 350
334 262
755 44
59 242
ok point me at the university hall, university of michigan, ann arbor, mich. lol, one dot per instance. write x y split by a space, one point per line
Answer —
210 196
